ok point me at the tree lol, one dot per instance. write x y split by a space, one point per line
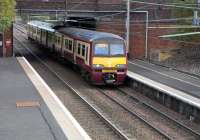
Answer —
183 12
7 13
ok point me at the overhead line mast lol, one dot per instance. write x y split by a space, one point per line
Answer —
66 13
128 25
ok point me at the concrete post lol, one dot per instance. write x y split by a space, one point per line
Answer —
66 6
128 25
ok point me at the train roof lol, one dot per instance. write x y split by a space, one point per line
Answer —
42 25
88 35
84 34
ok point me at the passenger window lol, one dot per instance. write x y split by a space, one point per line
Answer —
38 32
86 54
79 48
58 40
66 43
49 36
83 50
70 45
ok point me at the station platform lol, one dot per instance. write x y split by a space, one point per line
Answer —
182 86
28 107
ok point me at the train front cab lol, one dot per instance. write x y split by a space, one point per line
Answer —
109 62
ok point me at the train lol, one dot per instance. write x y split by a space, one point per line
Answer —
101 57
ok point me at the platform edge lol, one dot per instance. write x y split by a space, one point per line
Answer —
165 89
51 101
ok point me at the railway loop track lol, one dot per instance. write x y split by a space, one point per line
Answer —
106 113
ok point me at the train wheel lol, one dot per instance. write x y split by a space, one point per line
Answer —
86 76
83 73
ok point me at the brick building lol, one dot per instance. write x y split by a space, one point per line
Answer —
116 22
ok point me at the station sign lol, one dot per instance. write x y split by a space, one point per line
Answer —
196 22
196 19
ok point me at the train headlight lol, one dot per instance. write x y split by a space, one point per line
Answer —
121 66
98 66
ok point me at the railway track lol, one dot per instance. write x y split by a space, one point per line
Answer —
98 120
159 121
175 117
124 130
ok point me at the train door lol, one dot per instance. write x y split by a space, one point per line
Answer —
44 38
35 33
1 45
39 35
49 39
83 51
74 51
31 31
87 54
65 46
76 46
58 42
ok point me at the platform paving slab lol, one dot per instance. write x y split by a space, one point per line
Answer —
189 85
19 123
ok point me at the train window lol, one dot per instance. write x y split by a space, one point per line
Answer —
117 49
83 50
101 49
29 29
38 33
42 34
34 31
58 40
79 48
66 43
86 54
70 45
49 37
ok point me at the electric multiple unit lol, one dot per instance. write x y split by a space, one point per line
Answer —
101 57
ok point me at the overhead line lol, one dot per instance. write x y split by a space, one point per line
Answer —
78 4
166 5
181 34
